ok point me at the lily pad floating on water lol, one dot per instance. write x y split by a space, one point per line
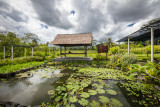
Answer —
83 102
115 103
68 105
104 99
92 92
85 95
111 92
73 99
93 104
51 92
100 91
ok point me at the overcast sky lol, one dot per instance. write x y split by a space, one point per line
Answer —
104 18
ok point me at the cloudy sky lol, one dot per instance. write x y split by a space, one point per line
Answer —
104 18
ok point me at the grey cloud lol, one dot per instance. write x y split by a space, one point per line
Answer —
90 19
131 10
50 15
7 10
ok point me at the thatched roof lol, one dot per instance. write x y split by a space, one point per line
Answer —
73 39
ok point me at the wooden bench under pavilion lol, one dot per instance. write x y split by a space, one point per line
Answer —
69 40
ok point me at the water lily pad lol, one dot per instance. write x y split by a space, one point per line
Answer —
51 92
115 103
73 99
83 102
100 91
93 104
57 98
85 95
68 105
104 99
92 92
111 92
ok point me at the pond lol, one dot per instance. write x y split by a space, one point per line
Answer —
31 88
75 86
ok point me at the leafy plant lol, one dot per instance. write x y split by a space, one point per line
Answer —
85 95
104 99
111 92
92 92
73 99
83 102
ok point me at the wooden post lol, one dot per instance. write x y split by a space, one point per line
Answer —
128 46
12 52
4 52
49 51
25 52
65 50
85 47
32 51
60 51
152 44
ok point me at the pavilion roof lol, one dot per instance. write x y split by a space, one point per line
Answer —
144 33
79 39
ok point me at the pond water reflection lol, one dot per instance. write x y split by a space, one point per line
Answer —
32 90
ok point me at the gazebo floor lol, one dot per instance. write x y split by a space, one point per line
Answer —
72 59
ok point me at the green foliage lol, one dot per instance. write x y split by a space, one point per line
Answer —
111 92
150 68
83 102
128 59
113 50
115 59
16 67
20 60
115 103
104 99
73 99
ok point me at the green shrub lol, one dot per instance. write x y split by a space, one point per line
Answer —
99 57
114 59
128 59
20 60
113 50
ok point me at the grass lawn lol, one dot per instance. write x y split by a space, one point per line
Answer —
13 68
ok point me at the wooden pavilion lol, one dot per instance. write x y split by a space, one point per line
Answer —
69 40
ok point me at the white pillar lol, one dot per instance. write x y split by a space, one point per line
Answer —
152 44
12 52
128 46
25 52
32 51
49 51
4 52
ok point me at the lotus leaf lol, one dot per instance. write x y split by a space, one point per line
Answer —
51 92
100 91
57 98
83 102
111 92
94 104
73 99
115 103
104 99
92 92
68 105
85 95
